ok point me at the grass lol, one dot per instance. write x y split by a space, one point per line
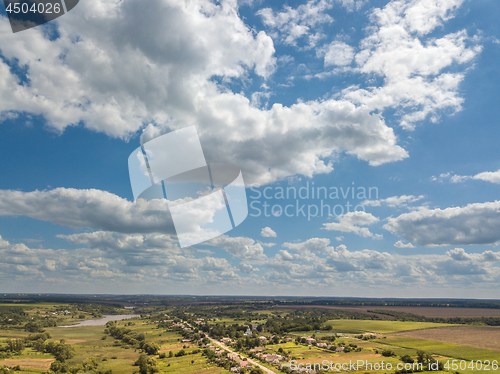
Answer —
380 327
443 349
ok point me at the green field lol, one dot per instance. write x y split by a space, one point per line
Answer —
380 327
443 349
88 343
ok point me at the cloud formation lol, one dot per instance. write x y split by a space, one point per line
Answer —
394 201
472 224
354 222
182 57
487 176
267 232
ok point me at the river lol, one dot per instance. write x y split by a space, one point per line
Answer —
102 321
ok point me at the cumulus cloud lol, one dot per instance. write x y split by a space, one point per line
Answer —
473 224
459 254
487 176
267 232
394 201
92 209
167 81
181 46
414 67
337 54
110 261
317 245
353 222
400 244
246 268
292 24
240 247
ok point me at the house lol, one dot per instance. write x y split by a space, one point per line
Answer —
245 364
234 369
226 340
339 349
185 340
248 332
263 339
310 340
257 349
321 345
272 357
233 357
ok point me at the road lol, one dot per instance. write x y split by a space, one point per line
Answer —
223 346
253 362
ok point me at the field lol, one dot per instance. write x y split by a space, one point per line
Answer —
379 327
421 311
443 349
91 342
473 336
107 354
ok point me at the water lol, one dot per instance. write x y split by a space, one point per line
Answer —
102 321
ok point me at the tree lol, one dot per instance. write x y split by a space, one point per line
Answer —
33 327
407 359
15 345
147 365
385 352
256 371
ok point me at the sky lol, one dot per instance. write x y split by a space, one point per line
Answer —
387 109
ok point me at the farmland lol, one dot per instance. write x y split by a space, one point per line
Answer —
473 336
443 349
380 327
443 312
177 339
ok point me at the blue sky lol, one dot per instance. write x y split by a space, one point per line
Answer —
397 95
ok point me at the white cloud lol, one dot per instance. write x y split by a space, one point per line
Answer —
240 247
292 24
352 222
394 201
337 54
352 5
316 245
151 263
93 209
400 244
473 224
459 254
246 268
268 245
487 176
176 48
168 80
414 69
267 232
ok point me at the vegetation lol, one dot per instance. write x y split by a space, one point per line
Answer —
179 338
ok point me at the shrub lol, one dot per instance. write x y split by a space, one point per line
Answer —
387 353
